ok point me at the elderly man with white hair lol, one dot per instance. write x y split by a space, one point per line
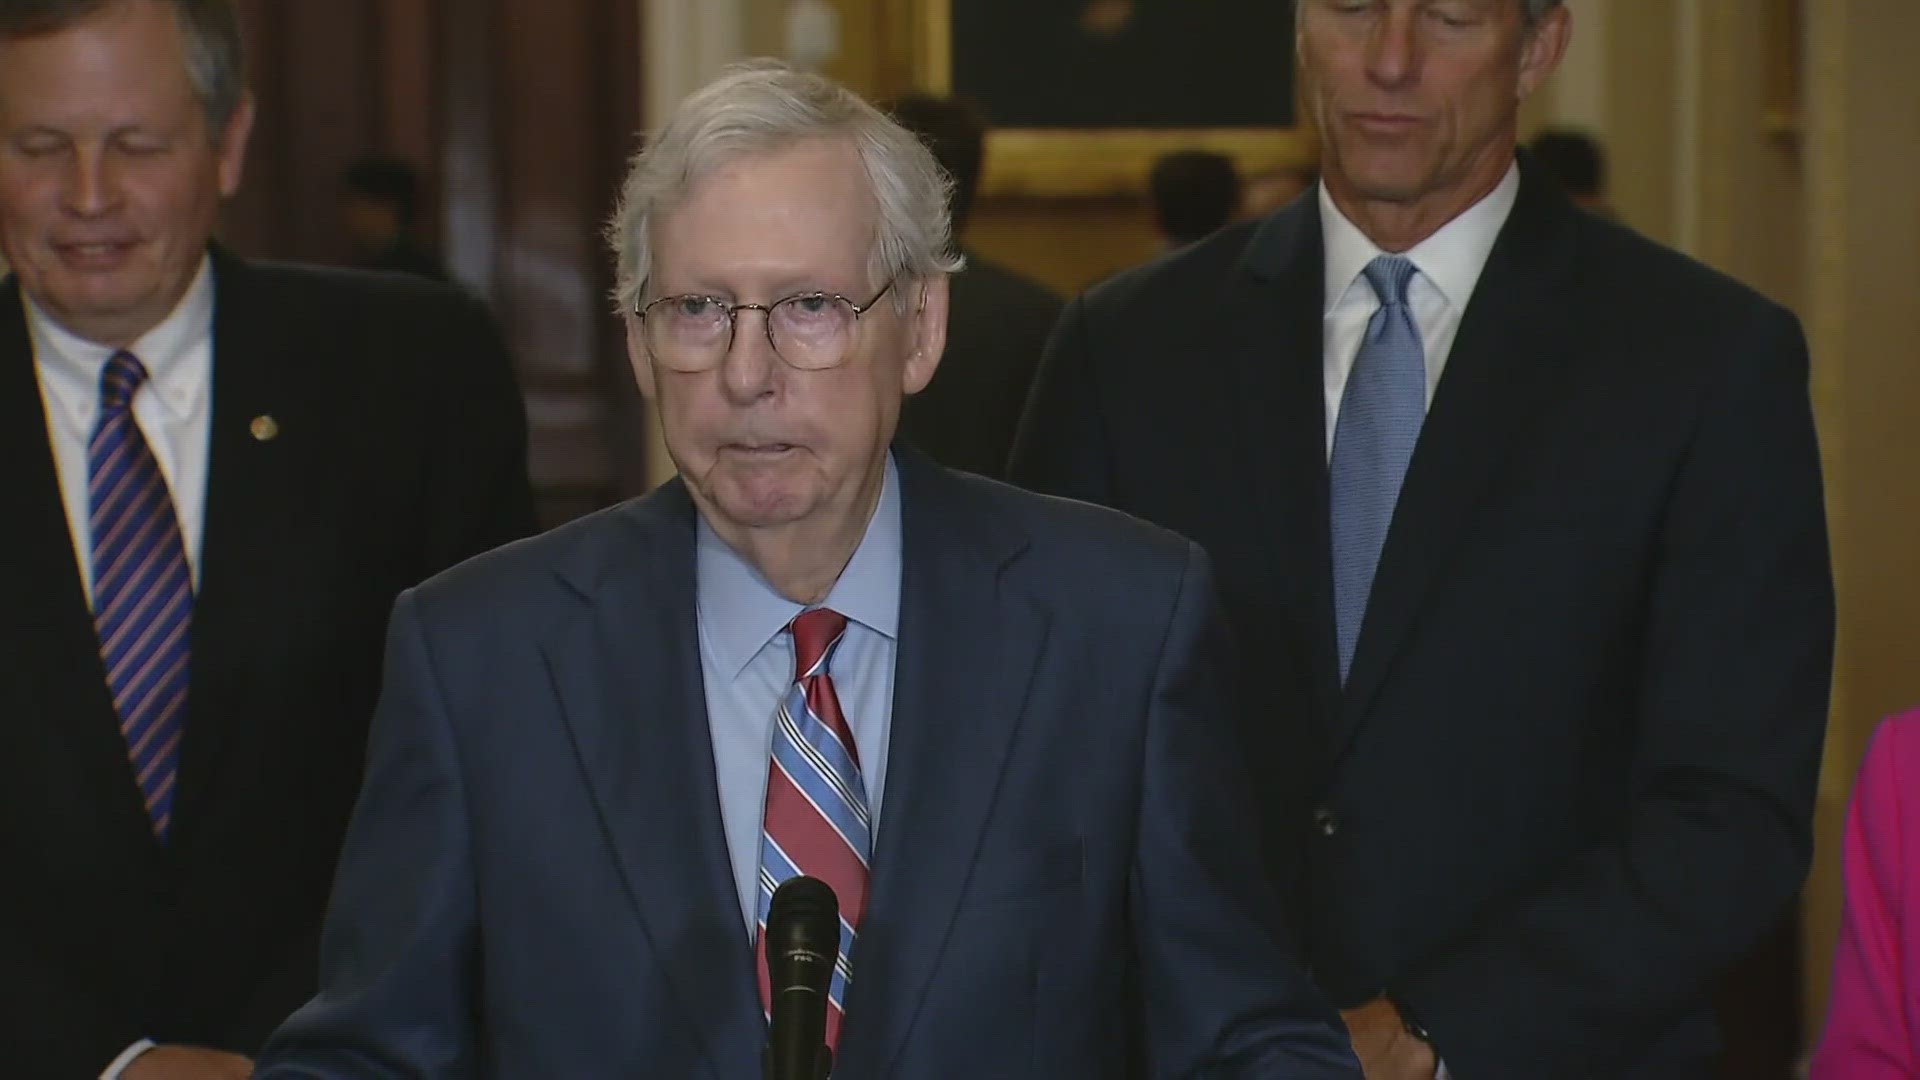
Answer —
994 723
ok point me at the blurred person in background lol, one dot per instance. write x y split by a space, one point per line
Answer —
999 319
380 210
1271 190
223 473
1194 194
1574 158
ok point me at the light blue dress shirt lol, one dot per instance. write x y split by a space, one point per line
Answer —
746 662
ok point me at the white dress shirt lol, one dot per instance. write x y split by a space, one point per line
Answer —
174 410
1448 264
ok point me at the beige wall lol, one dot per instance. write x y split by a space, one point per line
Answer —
1641 89
1741 195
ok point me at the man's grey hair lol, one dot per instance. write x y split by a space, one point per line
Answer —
210 30
757 106
1531 11
1536 9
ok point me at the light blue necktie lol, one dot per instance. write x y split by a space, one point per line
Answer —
1381 411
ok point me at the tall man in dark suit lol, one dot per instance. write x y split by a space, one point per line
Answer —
997 324
222 473
1518 517
600 752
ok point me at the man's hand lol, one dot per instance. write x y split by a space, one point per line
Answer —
1387 1050
187 1063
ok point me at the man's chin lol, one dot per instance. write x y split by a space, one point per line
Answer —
90 295
1389 187
93 312
759 506
1383 177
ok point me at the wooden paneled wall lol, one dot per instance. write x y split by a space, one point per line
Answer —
520 117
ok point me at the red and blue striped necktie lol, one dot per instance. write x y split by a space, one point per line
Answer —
817 820
142 589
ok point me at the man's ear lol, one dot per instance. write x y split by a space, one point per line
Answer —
1543 48
233 145
928 334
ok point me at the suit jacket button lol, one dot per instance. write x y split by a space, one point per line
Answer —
1326 822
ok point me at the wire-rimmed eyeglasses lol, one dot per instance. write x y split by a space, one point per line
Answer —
811 331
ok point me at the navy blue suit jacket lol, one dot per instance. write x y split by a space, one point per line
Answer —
1569 779
1066 881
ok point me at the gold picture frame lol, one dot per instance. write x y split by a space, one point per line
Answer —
1078 163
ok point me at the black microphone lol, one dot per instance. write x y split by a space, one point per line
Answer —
803 941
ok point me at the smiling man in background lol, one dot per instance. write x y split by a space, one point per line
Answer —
222 473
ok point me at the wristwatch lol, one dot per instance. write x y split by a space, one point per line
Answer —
1411 1022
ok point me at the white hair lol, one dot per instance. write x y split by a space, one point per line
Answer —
1532 10
758 106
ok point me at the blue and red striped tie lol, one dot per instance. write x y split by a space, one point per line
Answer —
142 589
817 820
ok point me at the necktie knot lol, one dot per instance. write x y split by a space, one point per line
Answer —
1390 275
814 633
122 376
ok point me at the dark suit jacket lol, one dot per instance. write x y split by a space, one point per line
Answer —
536 881
401 449
997 326
1570 777
406 256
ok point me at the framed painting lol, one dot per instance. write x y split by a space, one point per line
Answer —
1083 95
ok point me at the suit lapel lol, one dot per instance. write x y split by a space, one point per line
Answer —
627 670
1274 303
1505 362
248 538
967 649
49 630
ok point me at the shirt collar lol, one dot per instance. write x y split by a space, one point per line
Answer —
1451 258
740 612
72 364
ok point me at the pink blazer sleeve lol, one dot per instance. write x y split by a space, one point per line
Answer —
1876 968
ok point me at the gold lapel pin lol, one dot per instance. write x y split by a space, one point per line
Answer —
265 428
